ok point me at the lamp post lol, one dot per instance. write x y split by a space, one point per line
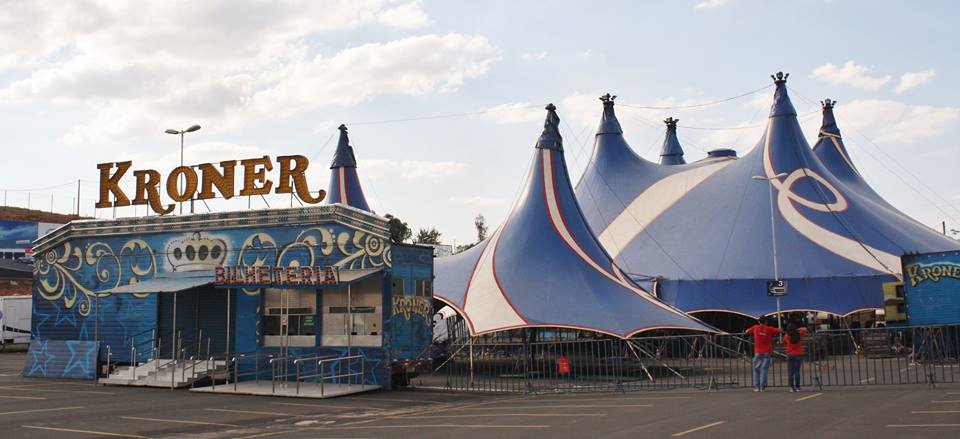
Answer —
773 236
181 133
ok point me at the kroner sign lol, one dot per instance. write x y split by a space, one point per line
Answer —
292 179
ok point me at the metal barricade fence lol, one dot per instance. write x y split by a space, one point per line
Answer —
534 360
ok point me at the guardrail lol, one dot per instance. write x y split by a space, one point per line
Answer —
524 361
321 377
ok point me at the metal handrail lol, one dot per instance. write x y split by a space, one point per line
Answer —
340 360
239 356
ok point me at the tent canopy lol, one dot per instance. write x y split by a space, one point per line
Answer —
703 230
344 182
543 267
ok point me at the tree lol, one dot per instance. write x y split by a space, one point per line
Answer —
399 231
481 224
427 236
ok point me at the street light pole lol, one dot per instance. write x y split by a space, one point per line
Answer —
181 133
773 237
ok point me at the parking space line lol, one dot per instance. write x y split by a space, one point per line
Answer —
702 427
178 421
946 401
808 397
91 392
101 433
362 427
867 380
550 406
18 412
254 412
924 425
396 400
22 397
508 415
320 406
931 412
625 398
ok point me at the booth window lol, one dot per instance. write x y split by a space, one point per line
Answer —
424 288
290 313
358 324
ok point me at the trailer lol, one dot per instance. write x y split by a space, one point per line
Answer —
15 320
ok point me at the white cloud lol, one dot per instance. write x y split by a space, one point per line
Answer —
911 80
135 67
851 74
537 56
406 16
710 4
375 169
894 122
482 202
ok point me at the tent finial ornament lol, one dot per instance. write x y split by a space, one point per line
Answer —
780 78
828 103
607 99
342 127
671 122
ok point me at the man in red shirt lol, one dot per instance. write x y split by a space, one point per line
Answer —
794 341
762 347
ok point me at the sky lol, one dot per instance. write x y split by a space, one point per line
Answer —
88 82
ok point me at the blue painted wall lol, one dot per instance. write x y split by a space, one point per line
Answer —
70 279
931 284
412 315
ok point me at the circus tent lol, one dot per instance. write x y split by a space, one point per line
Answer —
344 182
700 236
543 267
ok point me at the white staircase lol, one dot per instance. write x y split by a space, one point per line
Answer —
164 373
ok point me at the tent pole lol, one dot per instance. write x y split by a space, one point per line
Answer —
173 342
350 319
229 290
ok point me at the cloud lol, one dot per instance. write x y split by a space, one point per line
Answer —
375 169
478 201
894 122
710 4
538 56
138 71
911 80
851 74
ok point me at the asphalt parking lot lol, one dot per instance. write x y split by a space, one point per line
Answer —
70 409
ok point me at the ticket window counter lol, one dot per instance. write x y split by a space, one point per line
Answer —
290 317
353 316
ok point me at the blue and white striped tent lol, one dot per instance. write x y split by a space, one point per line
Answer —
344 182
543 267
700 233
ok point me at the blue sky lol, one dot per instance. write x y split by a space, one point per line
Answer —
90 82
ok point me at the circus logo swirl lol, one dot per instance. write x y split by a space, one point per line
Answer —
60 271
845 247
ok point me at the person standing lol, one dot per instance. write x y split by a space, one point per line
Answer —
794 341
762 348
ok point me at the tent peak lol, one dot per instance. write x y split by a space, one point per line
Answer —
342 127
343 157
550 138
671 123
607 99
780 78
608 122
829 125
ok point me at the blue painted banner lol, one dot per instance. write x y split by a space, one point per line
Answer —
75 359
17 234
931 283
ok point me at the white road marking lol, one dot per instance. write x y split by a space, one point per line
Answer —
18 412
254 412
22 397
99 433
808 397
931 412
177 421
551 406
923 425
702 427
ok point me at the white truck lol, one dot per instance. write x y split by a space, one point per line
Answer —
15 320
